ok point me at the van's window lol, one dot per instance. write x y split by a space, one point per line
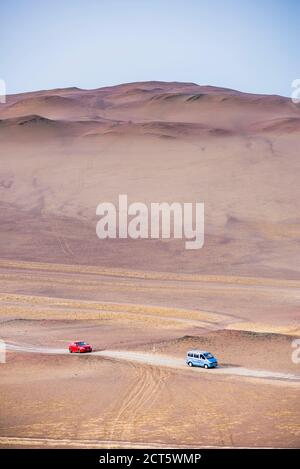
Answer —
208 355
202 357
190 354
196 355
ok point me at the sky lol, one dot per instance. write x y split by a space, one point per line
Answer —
248 45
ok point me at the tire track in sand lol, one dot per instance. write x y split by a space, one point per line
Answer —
145 388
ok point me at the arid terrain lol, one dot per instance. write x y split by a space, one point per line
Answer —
143 303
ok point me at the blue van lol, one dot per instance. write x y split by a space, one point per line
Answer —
201 358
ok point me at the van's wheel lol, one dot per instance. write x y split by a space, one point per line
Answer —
205 366
190 364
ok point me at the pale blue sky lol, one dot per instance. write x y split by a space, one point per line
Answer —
252 46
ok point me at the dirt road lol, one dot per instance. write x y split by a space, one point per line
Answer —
159 360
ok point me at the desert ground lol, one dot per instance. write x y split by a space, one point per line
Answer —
144 303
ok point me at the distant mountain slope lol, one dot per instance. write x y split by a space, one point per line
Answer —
63 151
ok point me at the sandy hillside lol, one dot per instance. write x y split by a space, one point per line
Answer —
143 303
64 151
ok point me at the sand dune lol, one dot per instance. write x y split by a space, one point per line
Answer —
65 150
235 151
